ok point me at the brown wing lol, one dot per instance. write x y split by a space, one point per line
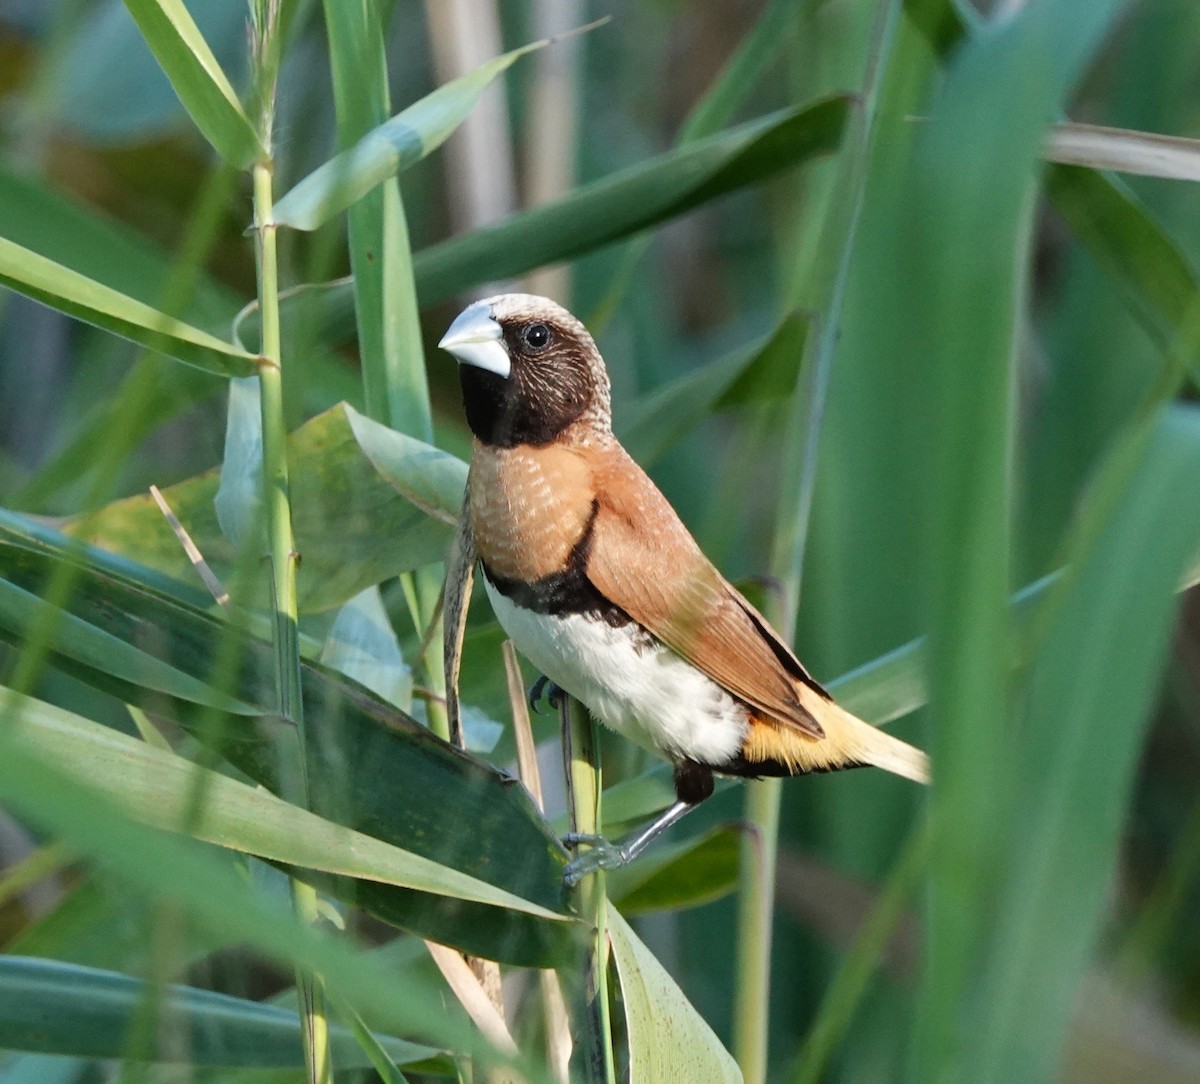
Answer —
643 559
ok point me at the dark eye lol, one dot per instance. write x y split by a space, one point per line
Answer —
536 336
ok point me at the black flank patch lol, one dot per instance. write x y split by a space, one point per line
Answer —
758 769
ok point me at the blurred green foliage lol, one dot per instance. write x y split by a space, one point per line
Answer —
793 225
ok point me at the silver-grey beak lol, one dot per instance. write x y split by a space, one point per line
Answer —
475 338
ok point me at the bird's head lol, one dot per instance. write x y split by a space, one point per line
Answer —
529 371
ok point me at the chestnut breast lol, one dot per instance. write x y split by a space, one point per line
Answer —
529 507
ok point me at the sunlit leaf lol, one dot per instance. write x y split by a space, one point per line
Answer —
392 147
68 291
669 1042
202 886
202 86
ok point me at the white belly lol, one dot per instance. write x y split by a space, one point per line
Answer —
636 686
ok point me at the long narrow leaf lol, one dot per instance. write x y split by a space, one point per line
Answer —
634 199
1153 273
68 291
396 390
611 208
1092 687
391 148
967 223
204 886
202 86
110 649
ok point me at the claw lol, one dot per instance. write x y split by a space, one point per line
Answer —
545 686
603 855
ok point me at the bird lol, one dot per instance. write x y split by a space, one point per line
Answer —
595 579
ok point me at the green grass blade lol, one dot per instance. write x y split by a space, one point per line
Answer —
1103 213
632 200
764 372
58 227
32 534
846 991
98 924
966 221
86 299
395 384
377 1051
396 390
202 86
1091 688
54 226
1153 274
60 1008
90 646
610 209
392 146
743 71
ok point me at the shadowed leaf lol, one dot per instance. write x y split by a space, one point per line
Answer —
60 1008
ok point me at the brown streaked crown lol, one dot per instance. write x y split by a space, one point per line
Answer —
557 378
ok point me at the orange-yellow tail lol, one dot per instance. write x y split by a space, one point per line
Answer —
848 742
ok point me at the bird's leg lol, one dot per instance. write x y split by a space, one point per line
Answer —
693 783
606 855
544 686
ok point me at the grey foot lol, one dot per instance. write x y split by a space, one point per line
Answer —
603 855
544 686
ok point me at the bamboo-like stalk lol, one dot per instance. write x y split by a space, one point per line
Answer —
756 901
756 911
283 558
585 780
554 1009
